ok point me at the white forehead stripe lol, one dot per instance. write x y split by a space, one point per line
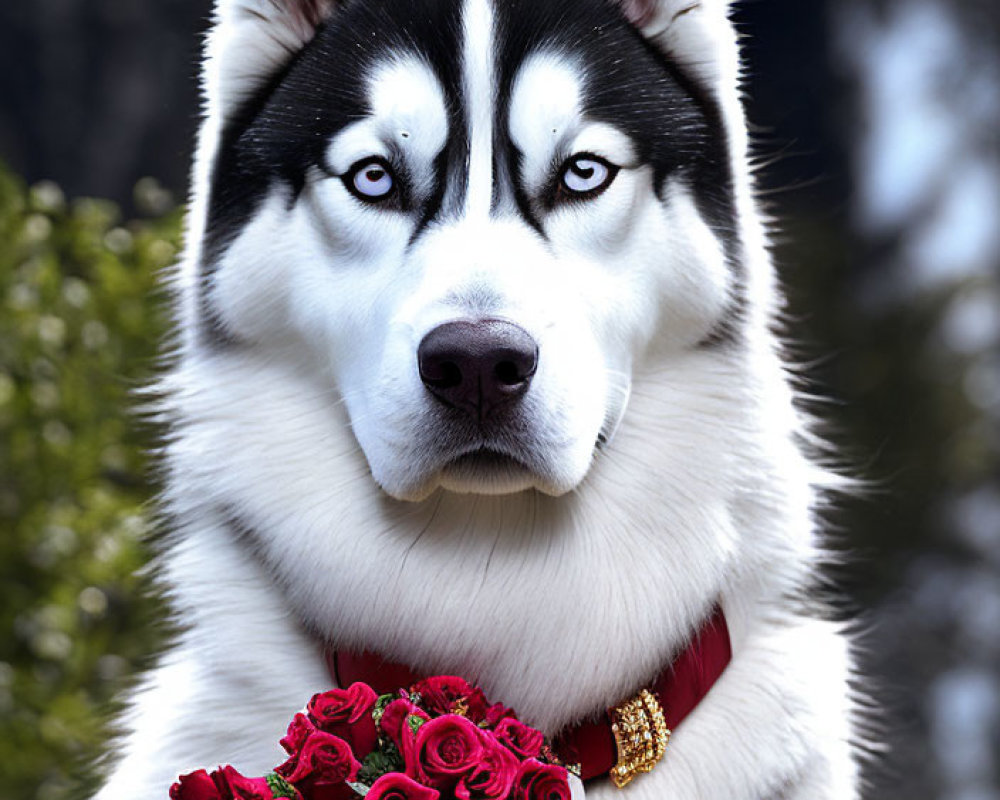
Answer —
545 103
545 114
480 92
408 110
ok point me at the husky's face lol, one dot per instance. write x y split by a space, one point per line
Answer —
479 221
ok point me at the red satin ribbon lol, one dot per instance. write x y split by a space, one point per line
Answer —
680 687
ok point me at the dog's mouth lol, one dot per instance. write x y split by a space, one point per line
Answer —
486 471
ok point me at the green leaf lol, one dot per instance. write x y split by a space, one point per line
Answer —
281 788
378 762
380 705
414 722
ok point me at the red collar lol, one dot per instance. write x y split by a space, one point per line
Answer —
680 687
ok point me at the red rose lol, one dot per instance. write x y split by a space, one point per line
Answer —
446 749
448 694
341 705
493 777
235 786
397 786
497 712
347 713
525 741
224 783
476 706
323 758
299 729
394 717
195 786
328 791
537 781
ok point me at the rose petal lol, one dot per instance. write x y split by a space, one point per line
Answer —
195 786
395 715
497 712
493 777
323 757
234 785
523 740
299 729
537 781
446 749
440 693
341 705
396 786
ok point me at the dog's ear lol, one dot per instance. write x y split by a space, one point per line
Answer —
250 41
697 34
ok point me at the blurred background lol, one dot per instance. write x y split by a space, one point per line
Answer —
878 128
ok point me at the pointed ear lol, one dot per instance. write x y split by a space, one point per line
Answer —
696 34
250 41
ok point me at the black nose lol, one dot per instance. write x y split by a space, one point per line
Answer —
477 366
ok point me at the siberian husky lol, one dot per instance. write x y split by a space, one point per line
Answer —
476 370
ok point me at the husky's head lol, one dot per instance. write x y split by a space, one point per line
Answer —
473 222
446 249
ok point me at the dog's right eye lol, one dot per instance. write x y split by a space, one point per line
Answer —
371 180
584 177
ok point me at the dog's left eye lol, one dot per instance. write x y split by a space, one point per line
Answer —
370 180
585 176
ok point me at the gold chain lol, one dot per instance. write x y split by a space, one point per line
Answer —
641 734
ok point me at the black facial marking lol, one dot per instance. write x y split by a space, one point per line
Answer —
436 200
521 199
451 174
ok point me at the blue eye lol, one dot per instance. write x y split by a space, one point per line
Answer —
584 175
370 180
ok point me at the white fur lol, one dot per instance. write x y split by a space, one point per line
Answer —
479 88
558 591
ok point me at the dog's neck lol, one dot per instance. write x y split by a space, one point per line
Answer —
504 592
555 603
590 743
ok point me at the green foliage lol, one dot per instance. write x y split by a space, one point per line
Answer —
378 762
79 328
280 787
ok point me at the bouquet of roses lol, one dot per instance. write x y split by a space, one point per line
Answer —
438 739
